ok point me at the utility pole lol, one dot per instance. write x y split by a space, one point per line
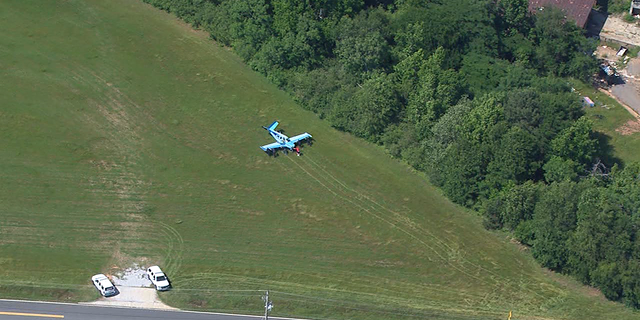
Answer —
268 305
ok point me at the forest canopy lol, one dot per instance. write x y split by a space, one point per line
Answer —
472 92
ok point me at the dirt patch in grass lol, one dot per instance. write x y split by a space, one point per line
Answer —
518 244
606 52
121 261
573 285
134 276
629 128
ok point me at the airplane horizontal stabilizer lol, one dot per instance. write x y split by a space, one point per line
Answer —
273 125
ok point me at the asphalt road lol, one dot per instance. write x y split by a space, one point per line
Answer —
18 310
628 93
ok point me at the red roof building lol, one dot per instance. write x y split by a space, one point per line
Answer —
577 10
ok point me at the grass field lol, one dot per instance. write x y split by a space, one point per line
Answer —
126 137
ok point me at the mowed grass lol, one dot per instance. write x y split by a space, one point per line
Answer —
610 119
126 137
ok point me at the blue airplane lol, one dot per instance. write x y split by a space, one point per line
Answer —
282 141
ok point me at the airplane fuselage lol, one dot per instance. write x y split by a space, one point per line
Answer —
281 139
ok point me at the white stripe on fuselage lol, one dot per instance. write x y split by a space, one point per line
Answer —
280 138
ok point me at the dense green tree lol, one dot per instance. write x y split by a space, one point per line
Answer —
301 49
519 204
576 142
515 17
457 26
492 213
337 8
562 49
606 277
249 25
461 175
631 284
518 49
559 169
316 89
601 235
370 110
555 222
525 232
517 77
444 133
558 110
448 129
406 73
522 108
613 6
362 43
434 91
482 118
516 157
286 14
483 73
461 172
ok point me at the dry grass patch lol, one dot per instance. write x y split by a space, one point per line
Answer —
629 128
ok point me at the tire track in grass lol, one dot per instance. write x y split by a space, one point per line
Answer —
169 248
418 312
361 207
373 205
212 277
408 221
497 281
372 299
174 258
398 216
118 174
394 225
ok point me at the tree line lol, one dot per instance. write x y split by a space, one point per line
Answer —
474 93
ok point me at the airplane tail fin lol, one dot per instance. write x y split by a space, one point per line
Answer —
272 126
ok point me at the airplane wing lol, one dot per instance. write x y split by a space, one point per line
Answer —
271 146
300 137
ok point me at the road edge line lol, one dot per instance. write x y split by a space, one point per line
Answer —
81 304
